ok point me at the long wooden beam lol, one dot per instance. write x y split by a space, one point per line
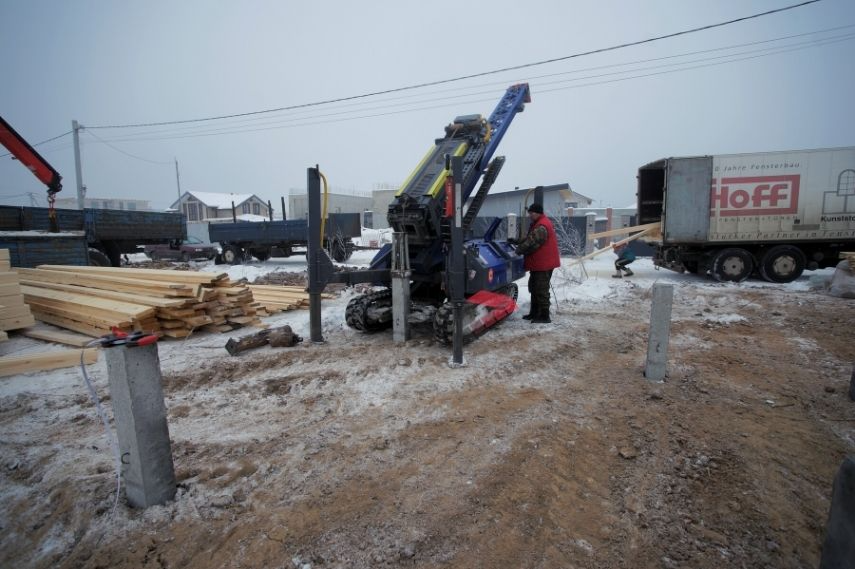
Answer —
13 365
101 293
149 274
613 245
624 230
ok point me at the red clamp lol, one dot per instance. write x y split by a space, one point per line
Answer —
119 338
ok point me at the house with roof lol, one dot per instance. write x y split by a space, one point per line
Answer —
208 206
556 199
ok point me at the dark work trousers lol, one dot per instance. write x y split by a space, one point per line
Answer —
538 286
622 264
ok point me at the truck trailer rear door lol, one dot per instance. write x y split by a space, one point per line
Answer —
686 216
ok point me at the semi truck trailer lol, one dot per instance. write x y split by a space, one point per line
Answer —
769 214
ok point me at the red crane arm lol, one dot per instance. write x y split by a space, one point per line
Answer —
28 156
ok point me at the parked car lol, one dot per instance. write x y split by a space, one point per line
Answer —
190 248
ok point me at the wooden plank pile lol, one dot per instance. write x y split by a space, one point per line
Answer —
276 298
14 313
92 300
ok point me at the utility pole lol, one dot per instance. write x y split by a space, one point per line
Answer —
178 182
81 192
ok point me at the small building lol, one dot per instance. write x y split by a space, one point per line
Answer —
105 203
556 200
380 207
337 202
205 206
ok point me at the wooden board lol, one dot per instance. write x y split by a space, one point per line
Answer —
10 289
7 312
125 296
69 324
108 282
8 277
100 304
150 274
623 230
40 332
610 247
16 322
93 318
13 365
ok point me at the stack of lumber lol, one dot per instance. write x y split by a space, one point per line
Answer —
277 298
92 300
14 313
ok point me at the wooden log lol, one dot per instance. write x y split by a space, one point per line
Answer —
13 365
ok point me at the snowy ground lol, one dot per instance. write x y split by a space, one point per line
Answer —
547 450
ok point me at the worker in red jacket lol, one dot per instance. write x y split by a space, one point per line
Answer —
540 248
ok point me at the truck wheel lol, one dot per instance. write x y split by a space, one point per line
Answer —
732 265
782 264
338 251
232 255
98 259
260 254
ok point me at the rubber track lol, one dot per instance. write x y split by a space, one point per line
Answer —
356 314
443 321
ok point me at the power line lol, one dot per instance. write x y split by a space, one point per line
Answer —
187 131
464 77
119 150
40 143
286 122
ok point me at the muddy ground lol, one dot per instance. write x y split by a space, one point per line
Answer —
548 450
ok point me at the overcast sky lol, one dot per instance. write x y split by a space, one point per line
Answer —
592 121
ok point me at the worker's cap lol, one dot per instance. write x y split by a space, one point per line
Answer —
535 208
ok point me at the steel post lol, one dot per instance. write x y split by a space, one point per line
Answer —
456 268
316 287
400 287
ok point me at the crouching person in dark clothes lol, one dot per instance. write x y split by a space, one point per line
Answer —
625 257
540 248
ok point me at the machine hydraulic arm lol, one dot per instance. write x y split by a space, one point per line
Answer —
417 209
28 156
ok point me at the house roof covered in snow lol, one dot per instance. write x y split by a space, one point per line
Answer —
219 201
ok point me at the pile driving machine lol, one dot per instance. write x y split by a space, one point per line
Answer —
421 215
